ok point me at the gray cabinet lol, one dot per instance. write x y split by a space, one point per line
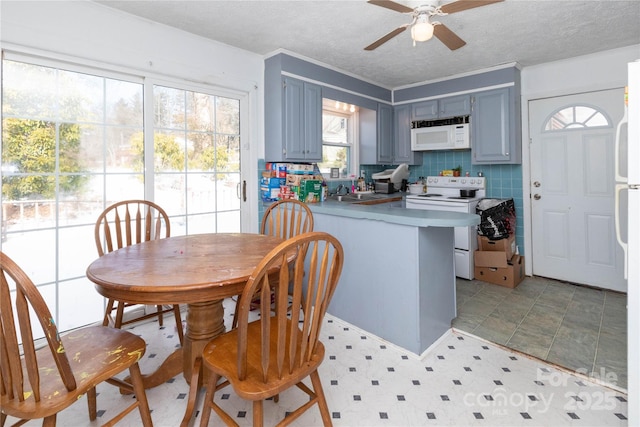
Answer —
402 142
441 108
495 128
296 135
385 134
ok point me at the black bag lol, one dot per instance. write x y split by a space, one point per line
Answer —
497 218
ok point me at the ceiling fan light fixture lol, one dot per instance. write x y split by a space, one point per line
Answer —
422 30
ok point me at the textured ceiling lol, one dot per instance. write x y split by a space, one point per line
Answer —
335 32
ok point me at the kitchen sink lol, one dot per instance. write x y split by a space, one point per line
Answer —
365 198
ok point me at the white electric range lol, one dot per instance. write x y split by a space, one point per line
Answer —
443 194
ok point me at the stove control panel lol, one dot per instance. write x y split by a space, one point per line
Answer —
459 182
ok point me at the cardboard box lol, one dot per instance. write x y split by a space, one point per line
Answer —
269 194
310 191
296 180
507 245
300 169
505 273
279 169
272 182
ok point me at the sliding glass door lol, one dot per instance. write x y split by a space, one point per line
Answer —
76 139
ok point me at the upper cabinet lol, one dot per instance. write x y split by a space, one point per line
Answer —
441 108
402 137
295 134
385 136
495 128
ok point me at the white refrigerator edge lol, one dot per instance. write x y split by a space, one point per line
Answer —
631 184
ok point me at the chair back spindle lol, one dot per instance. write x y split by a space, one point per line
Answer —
286 219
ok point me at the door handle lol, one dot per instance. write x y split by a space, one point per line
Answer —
244 190
537 196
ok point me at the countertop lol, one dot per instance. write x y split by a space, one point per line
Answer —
392 213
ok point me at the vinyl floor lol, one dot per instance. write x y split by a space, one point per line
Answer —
461 380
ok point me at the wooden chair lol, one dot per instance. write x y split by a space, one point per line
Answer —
263 358
285 219
40 381
128 223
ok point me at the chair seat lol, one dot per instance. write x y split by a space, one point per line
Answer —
93 360
221 356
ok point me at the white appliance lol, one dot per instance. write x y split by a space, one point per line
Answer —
441 134
627 176
443 194
393 176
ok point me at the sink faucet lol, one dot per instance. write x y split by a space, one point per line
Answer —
339 189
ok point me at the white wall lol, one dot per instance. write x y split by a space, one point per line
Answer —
603 70
91 31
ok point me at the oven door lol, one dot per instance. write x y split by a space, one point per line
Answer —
465 237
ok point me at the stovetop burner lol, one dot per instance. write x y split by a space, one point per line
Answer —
460 197
430 195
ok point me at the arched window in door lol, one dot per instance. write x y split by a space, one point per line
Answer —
576 117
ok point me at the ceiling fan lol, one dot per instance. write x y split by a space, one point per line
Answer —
422 28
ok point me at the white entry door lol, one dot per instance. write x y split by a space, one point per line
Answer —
572 188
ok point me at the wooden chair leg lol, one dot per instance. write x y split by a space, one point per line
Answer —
91 401
257 413
141 396
208 399
160 315
322 401
50 421
107 313
119 315
178 316
234 323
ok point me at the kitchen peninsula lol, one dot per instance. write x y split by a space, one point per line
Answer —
398 280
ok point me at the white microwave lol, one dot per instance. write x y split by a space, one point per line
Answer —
434 135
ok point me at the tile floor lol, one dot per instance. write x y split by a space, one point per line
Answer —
579 328
460 381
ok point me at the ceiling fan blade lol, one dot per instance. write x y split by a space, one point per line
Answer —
460 5
386 38
448 37
392 5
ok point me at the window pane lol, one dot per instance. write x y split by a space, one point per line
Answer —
169 107
227 116
199 111
334 129
29 90
334 157
337 138
124 103
169 151
81 97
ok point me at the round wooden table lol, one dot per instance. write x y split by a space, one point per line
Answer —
199 270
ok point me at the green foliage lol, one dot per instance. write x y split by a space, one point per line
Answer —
29 147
